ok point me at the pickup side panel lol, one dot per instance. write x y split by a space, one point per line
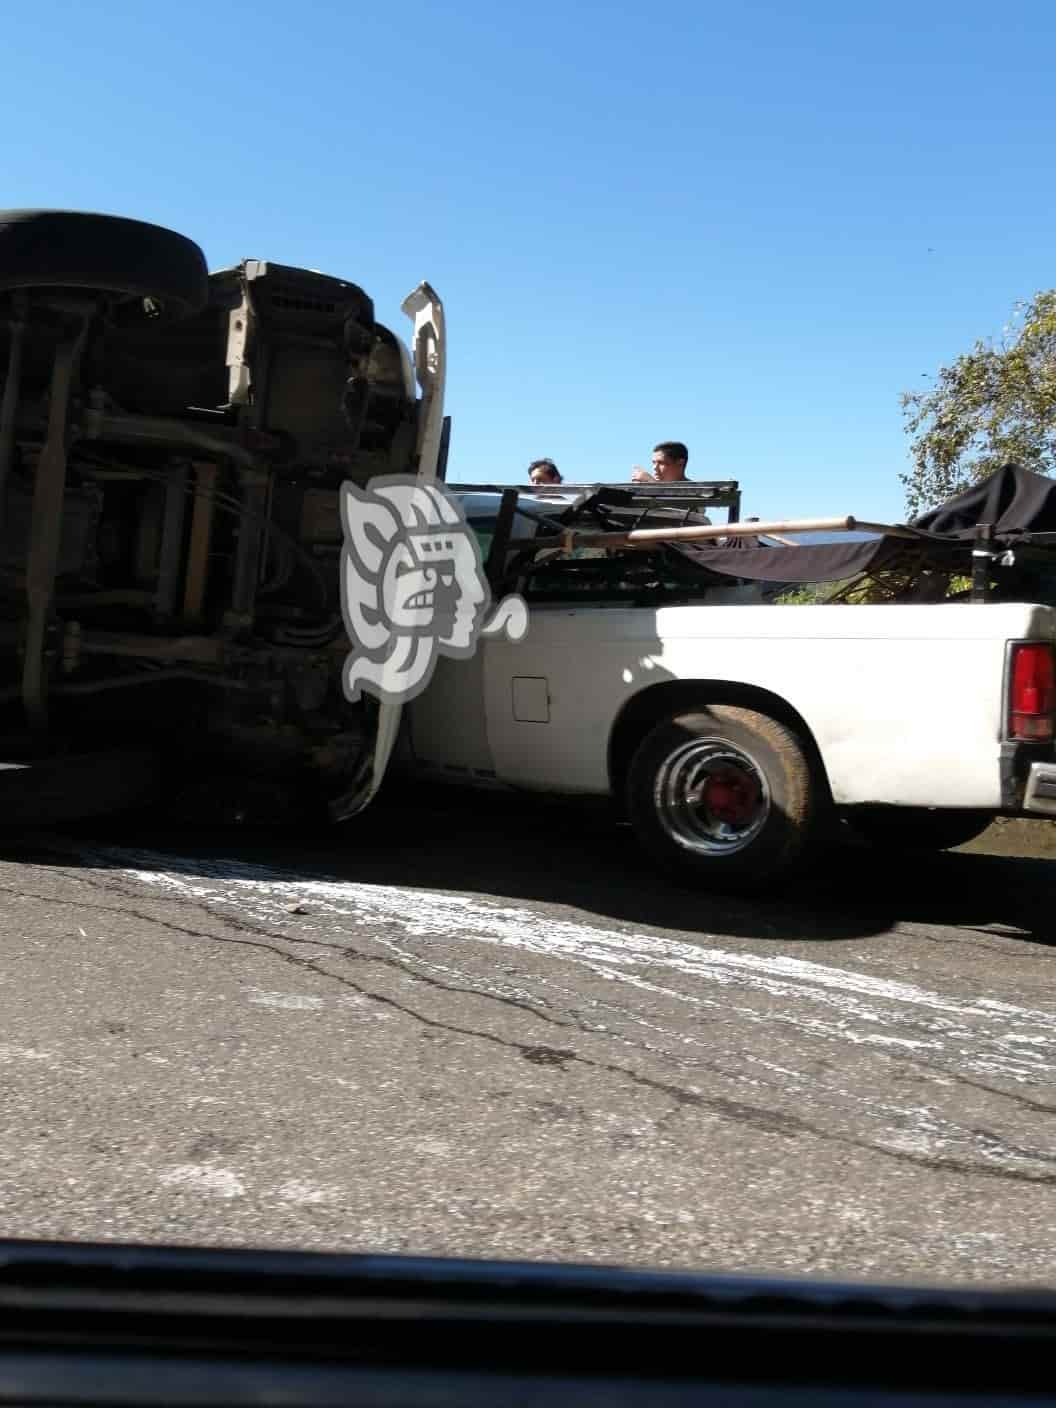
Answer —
448 727
905 703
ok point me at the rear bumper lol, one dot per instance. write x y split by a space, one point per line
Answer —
1027 770
1039 796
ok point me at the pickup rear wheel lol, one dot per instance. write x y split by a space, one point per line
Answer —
918 828
724 794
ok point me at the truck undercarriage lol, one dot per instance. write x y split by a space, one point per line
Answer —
171 449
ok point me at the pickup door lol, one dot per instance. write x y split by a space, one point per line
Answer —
449 724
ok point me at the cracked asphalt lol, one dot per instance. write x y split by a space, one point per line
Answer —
483 1027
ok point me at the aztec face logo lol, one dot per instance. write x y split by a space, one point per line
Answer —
412 587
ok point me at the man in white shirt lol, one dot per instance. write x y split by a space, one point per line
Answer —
669 467
670 458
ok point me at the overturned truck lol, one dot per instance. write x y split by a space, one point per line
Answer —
172 443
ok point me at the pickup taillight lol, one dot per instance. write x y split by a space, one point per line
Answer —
1032 692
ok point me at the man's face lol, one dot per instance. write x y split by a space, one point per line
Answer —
666 469
542 476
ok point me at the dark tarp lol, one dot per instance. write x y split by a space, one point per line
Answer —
1014 500
816 562
744 558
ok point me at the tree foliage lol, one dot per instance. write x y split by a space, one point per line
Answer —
994 405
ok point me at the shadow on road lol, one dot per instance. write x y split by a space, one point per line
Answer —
551 852
545 852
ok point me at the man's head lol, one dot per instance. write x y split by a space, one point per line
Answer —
544 472
669 461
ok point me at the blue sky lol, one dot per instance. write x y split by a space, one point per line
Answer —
746 226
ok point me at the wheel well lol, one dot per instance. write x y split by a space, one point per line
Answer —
662 701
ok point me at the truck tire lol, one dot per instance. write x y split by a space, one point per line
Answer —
49 249
918 828
76 786
723 794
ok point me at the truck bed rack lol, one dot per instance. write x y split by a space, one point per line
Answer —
688 495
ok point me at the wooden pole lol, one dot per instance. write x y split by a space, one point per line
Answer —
702 533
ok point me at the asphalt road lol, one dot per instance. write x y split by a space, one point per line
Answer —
476 1028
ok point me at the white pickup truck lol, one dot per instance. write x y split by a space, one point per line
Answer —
731 730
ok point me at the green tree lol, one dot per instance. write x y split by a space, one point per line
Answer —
993 405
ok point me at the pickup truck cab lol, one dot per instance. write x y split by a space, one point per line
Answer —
731 728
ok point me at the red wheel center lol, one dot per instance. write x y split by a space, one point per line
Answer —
731 797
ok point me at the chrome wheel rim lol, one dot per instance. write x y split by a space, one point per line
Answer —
712 797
